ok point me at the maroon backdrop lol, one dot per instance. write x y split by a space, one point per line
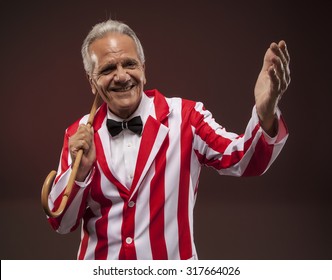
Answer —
209 51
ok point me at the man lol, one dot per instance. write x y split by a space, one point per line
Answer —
136 185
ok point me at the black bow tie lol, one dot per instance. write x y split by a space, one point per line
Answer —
135 125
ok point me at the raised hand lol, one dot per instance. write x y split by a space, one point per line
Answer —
272 82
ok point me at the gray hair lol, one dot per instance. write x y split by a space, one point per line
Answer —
99 31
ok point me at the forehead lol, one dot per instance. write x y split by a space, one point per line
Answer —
113 45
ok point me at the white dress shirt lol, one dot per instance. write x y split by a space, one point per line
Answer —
125 145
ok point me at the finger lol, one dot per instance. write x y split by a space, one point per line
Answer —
281 51
80 141
280 73
278 52
283 47
85 145
83 128
81 145
275 81
85 132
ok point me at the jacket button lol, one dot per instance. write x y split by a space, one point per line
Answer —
131 204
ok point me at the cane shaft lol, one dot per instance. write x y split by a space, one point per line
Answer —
48 183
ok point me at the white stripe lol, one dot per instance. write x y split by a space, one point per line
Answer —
58 188
172 179
201 146
142 219
208 118
71 216
195 169
239 168
235 145
114 225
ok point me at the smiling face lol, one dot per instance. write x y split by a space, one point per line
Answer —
118 75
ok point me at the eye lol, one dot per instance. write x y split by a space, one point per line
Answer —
130 64
107 70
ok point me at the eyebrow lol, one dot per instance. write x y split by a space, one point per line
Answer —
107 66
112 65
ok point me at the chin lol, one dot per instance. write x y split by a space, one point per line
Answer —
123 108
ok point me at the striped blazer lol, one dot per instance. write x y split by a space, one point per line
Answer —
154 219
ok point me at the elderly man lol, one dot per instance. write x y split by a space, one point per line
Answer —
136 185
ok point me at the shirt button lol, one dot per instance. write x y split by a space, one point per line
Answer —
129 145
131 203
129 240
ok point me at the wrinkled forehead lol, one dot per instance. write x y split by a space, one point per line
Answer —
112 48
113 44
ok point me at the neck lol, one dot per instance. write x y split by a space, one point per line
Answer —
125 113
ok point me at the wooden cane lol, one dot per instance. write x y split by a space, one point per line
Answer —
48 183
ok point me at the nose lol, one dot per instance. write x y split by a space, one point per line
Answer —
121 75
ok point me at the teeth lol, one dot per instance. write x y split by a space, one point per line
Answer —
122 89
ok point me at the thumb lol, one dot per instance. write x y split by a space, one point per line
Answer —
267 61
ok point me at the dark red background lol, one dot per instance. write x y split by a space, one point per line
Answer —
209 51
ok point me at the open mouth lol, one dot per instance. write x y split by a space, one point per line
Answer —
122 89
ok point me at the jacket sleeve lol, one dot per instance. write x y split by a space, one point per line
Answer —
249 154
72 214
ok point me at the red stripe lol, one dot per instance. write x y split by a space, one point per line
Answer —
260 158
99 117
150 132
82 207
84 244
101 224
65 150
151 129
128 251
64 158
157 204
185 246
101 249
226 160
157 187
55 222
248 143
208 134
85 240
160 103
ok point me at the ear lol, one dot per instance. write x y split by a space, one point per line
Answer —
144 79
92 85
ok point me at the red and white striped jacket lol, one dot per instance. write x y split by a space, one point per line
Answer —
154 219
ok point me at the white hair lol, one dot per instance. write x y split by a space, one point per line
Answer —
99 31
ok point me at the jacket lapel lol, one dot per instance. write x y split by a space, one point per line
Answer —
102 142
153 137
